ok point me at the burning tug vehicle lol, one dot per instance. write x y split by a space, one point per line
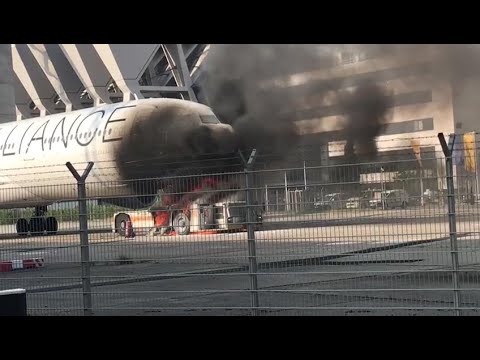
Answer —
211 206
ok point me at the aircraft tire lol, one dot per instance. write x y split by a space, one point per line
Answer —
37 225
51 225
22 227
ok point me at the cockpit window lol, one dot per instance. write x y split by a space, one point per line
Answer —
209 119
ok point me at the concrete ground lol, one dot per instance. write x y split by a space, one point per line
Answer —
359 268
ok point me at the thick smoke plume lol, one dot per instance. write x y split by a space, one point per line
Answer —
261 115
365 110
264 117
444 65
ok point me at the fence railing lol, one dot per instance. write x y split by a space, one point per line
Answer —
385 237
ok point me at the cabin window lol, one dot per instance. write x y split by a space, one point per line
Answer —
90 134
209 119
99 132
109 131
1 147
71 136
58 138
80 136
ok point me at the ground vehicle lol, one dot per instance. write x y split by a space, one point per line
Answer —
391 199
354 203
432 196
331 201
222 216
375 198
396 198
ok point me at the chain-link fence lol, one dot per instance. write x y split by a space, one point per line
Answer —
385 237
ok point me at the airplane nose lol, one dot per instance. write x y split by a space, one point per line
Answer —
225 139
211 140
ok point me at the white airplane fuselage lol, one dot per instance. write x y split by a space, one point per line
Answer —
126 141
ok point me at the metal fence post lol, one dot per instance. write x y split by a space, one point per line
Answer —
452 223
252 253
84 248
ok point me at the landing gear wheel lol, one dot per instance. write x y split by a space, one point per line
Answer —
51 225
37 225
22 227
181 224
121 223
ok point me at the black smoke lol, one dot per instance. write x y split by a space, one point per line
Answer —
264 117
236 84
241 90
365 110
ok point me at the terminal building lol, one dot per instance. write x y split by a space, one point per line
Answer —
422 105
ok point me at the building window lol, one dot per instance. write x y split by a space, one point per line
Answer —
405 127
350 57
418 125
347 57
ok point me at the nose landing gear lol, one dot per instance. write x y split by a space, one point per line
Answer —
38 224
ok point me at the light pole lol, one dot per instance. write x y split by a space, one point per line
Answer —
382 196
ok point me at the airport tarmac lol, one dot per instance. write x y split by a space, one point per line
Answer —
226 247
409 288
132 276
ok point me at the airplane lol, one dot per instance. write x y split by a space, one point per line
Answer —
132 144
